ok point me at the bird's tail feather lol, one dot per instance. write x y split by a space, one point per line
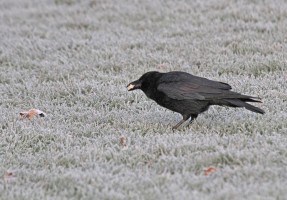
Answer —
241 103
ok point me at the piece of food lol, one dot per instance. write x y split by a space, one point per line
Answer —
30 114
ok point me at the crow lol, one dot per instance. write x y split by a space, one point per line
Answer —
190 95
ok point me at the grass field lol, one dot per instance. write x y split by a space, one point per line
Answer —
73 59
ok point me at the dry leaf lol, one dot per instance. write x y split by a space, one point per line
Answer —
31 114
123 141
8 174
209 170
9 177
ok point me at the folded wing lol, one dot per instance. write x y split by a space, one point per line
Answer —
185 86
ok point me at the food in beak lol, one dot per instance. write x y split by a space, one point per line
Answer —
130 87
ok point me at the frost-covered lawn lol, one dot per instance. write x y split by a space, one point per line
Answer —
73 59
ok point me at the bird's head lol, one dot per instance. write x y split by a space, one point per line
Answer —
144 82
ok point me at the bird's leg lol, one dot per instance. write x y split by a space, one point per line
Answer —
185 117
192 118
178 124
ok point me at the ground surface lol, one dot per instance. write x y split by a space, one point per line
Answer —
73 60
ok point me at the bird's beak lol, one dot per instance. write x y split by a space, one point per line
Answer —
130 87
133 86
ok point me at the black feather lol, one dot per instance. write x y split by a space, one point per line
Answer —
191 95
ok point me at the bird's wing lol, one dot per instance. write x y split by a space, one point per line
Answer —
188 90
181 90
177 76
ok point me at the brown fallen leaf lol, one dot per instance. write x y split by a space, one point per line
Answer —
31 114
123 141
9 177
209 170
8 174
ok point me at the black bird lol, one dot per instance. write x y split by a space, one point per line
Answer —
190 95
